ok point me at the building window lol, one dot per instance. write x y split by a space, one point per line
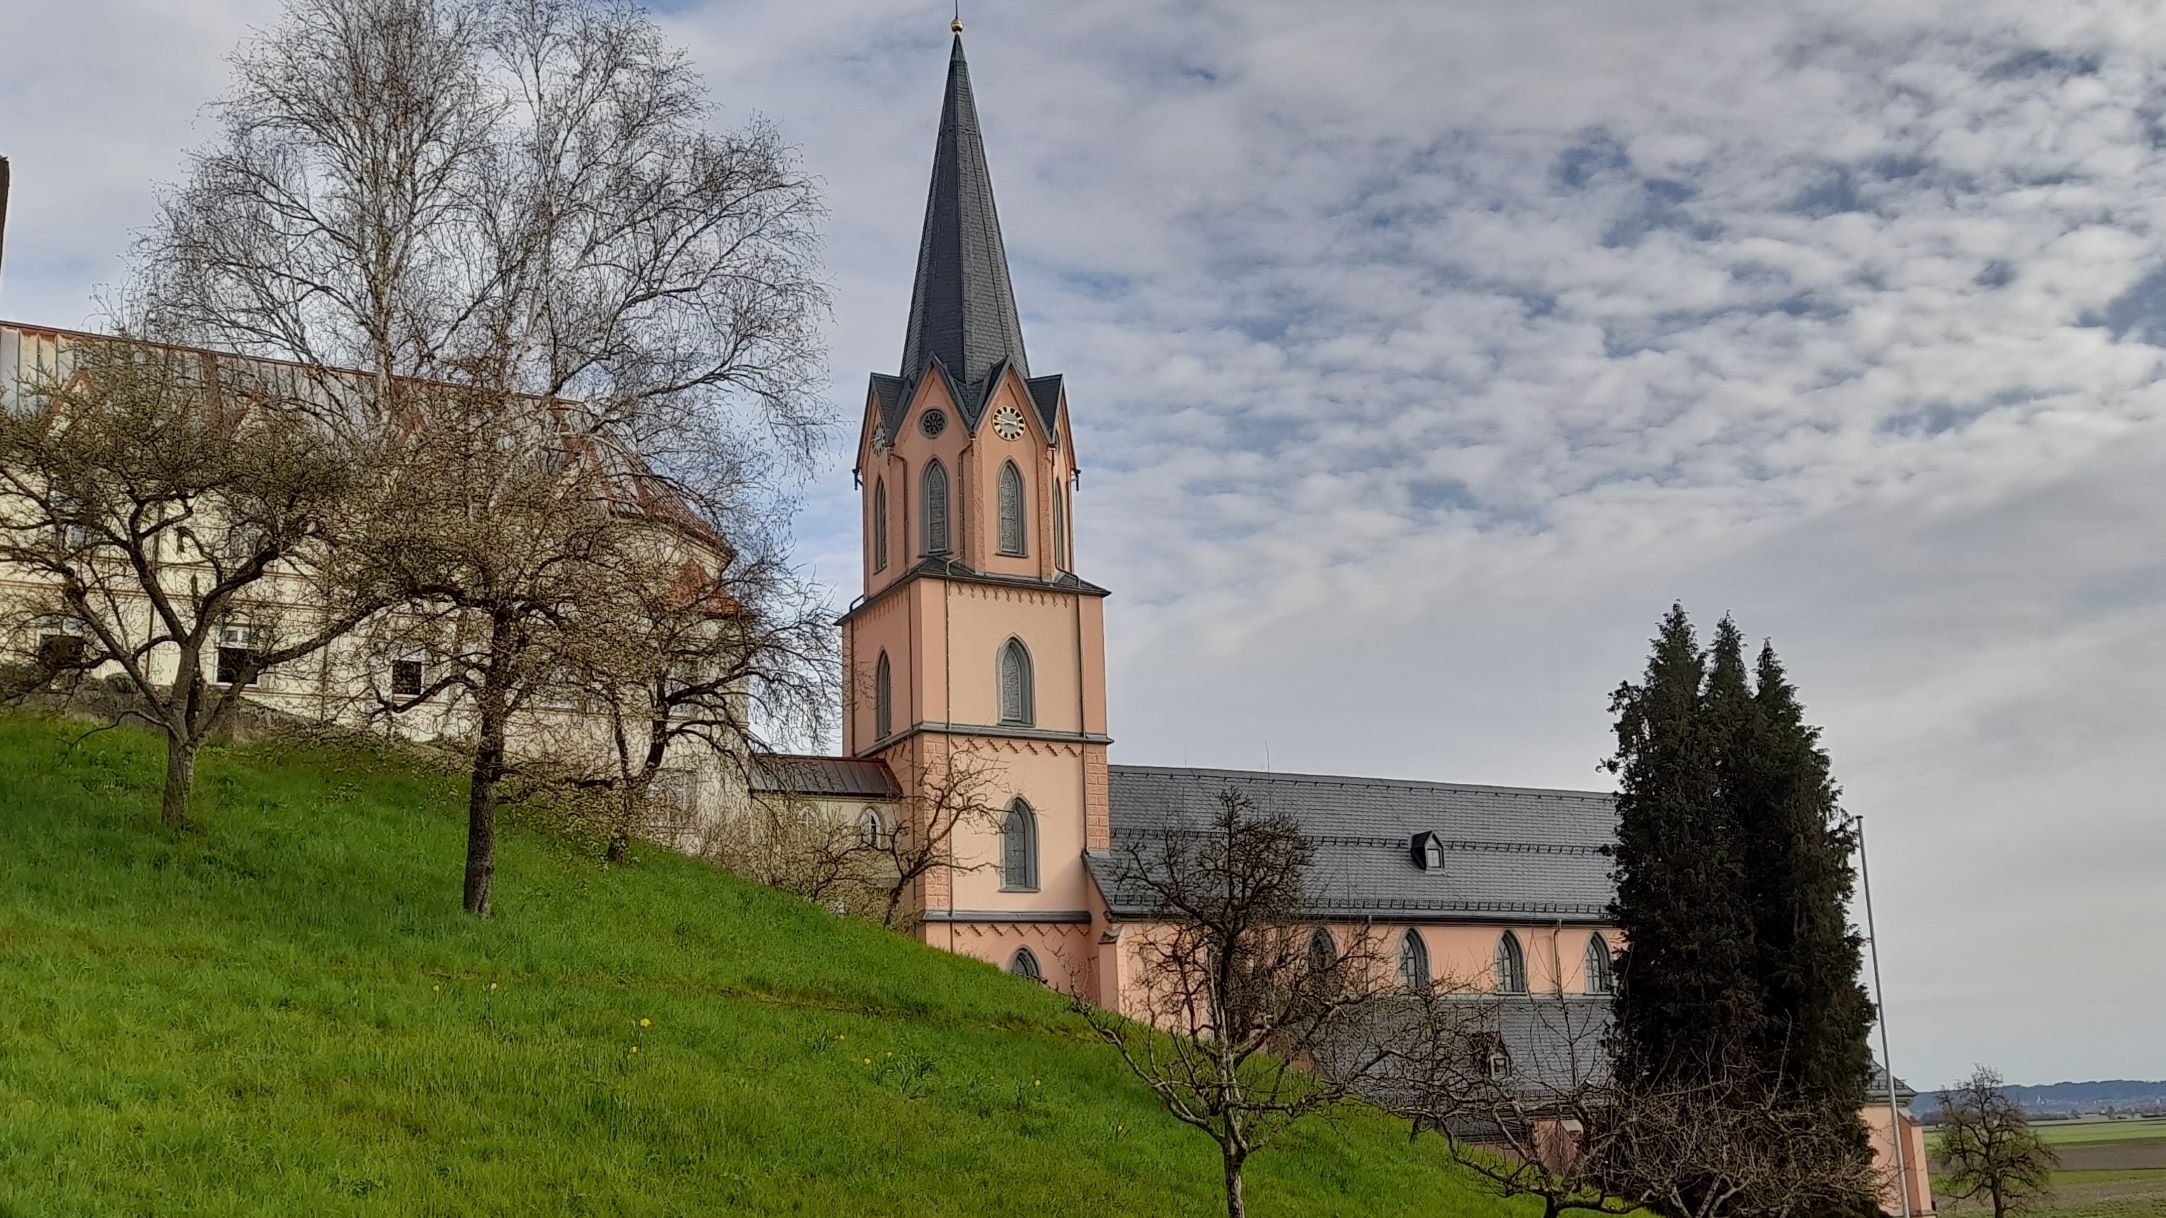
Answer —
240 659
61 644
883 700
1019 849
409 675
871 829
1013 540
1491 1060
936 508
879 524
1428 851
1323 952
1511 965
1018 701
1601 968
1025 964
1413 961
1060 529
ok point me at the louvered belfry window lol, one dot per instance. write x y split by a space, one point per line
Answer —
1019 849
879 524
936 508
1012 536
1016 697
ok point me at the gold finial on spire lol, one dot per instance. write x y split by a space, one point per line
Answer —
957 24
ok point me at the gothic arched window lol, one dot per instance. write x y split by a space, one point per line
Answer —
1511 965
1601 966
1323 951
883 700
1018 701
1013 536
1025 964
1413 961
879 524
936 508
1019 849
1060 529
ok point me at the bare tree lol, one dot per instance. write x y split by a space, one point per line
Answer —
578 309
707 649
1249 1009
176 518
1520 1092
1989 1149
875 871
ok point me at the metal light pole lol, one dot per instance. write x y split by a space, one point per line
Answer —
1880 1011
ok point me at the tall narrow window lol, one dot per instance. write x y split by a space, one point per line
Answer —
1017 699
1019 849
240 656
1060 529
1413 961
879 524
936 508
1323 952
883 700
1511 965
1025 964
1601 968
1013 539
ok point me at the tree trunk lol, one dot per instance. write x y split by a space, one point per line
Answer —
180 782
488 771
1236 1207
2000 1205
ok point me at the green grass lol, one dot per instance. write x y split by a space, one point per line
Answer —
285 1013
2110 1169
2076 1133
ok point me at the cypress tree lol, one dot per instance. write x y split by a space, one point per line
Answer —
1796 846
1686 1004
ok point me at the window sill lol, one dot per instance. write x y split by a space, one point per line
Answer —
1008 888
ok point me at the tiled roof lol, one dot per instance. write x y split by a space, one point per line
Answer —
962 304
843 777
1509 853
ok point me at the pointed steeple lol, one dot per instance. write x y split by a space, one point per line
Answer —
962 307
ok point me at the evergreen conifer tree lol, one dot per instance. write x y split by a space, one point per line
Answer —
1686 1005
1796 847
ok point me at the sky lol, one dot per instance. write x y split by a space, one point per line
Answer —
1422 353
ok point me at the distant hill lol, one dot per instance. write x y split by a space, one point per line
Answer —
286 1013
2072 1099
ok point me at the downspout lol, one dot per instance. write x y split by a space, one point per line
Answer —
1880 1010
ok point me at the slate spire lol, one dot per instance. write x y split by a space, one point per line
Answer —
962 306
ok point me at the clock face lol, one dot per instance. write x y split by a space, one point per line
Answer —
1008 423
932 422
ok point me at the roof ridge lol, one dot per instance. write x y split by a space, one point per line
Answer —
1411 784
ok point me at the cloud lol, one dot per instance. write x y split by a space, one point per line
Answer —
1421 354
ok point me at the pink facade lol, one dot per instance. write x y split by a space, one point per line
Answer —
975 648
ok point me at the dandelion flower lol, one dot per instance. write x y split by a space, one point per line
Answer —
436 989
1036 1083
646 1023
635 1049
840 1036
492 985
868 1061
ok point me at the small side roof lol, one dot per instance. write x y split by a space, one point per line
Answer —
833 777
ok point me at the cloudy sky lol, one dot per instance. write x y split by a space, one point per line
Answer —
1422 353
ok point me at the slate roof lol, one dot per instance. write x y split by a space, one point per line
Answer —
842 777
962 305
1510 853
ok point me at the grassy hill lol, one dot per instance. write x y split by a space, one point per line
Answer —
286 1013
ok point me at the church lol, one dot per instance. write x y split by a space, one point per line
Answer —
978 644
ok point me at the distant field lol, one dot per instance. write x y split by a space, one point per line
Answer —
2109 1169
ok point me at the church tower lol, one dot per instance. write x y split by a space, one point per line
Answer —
976 655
